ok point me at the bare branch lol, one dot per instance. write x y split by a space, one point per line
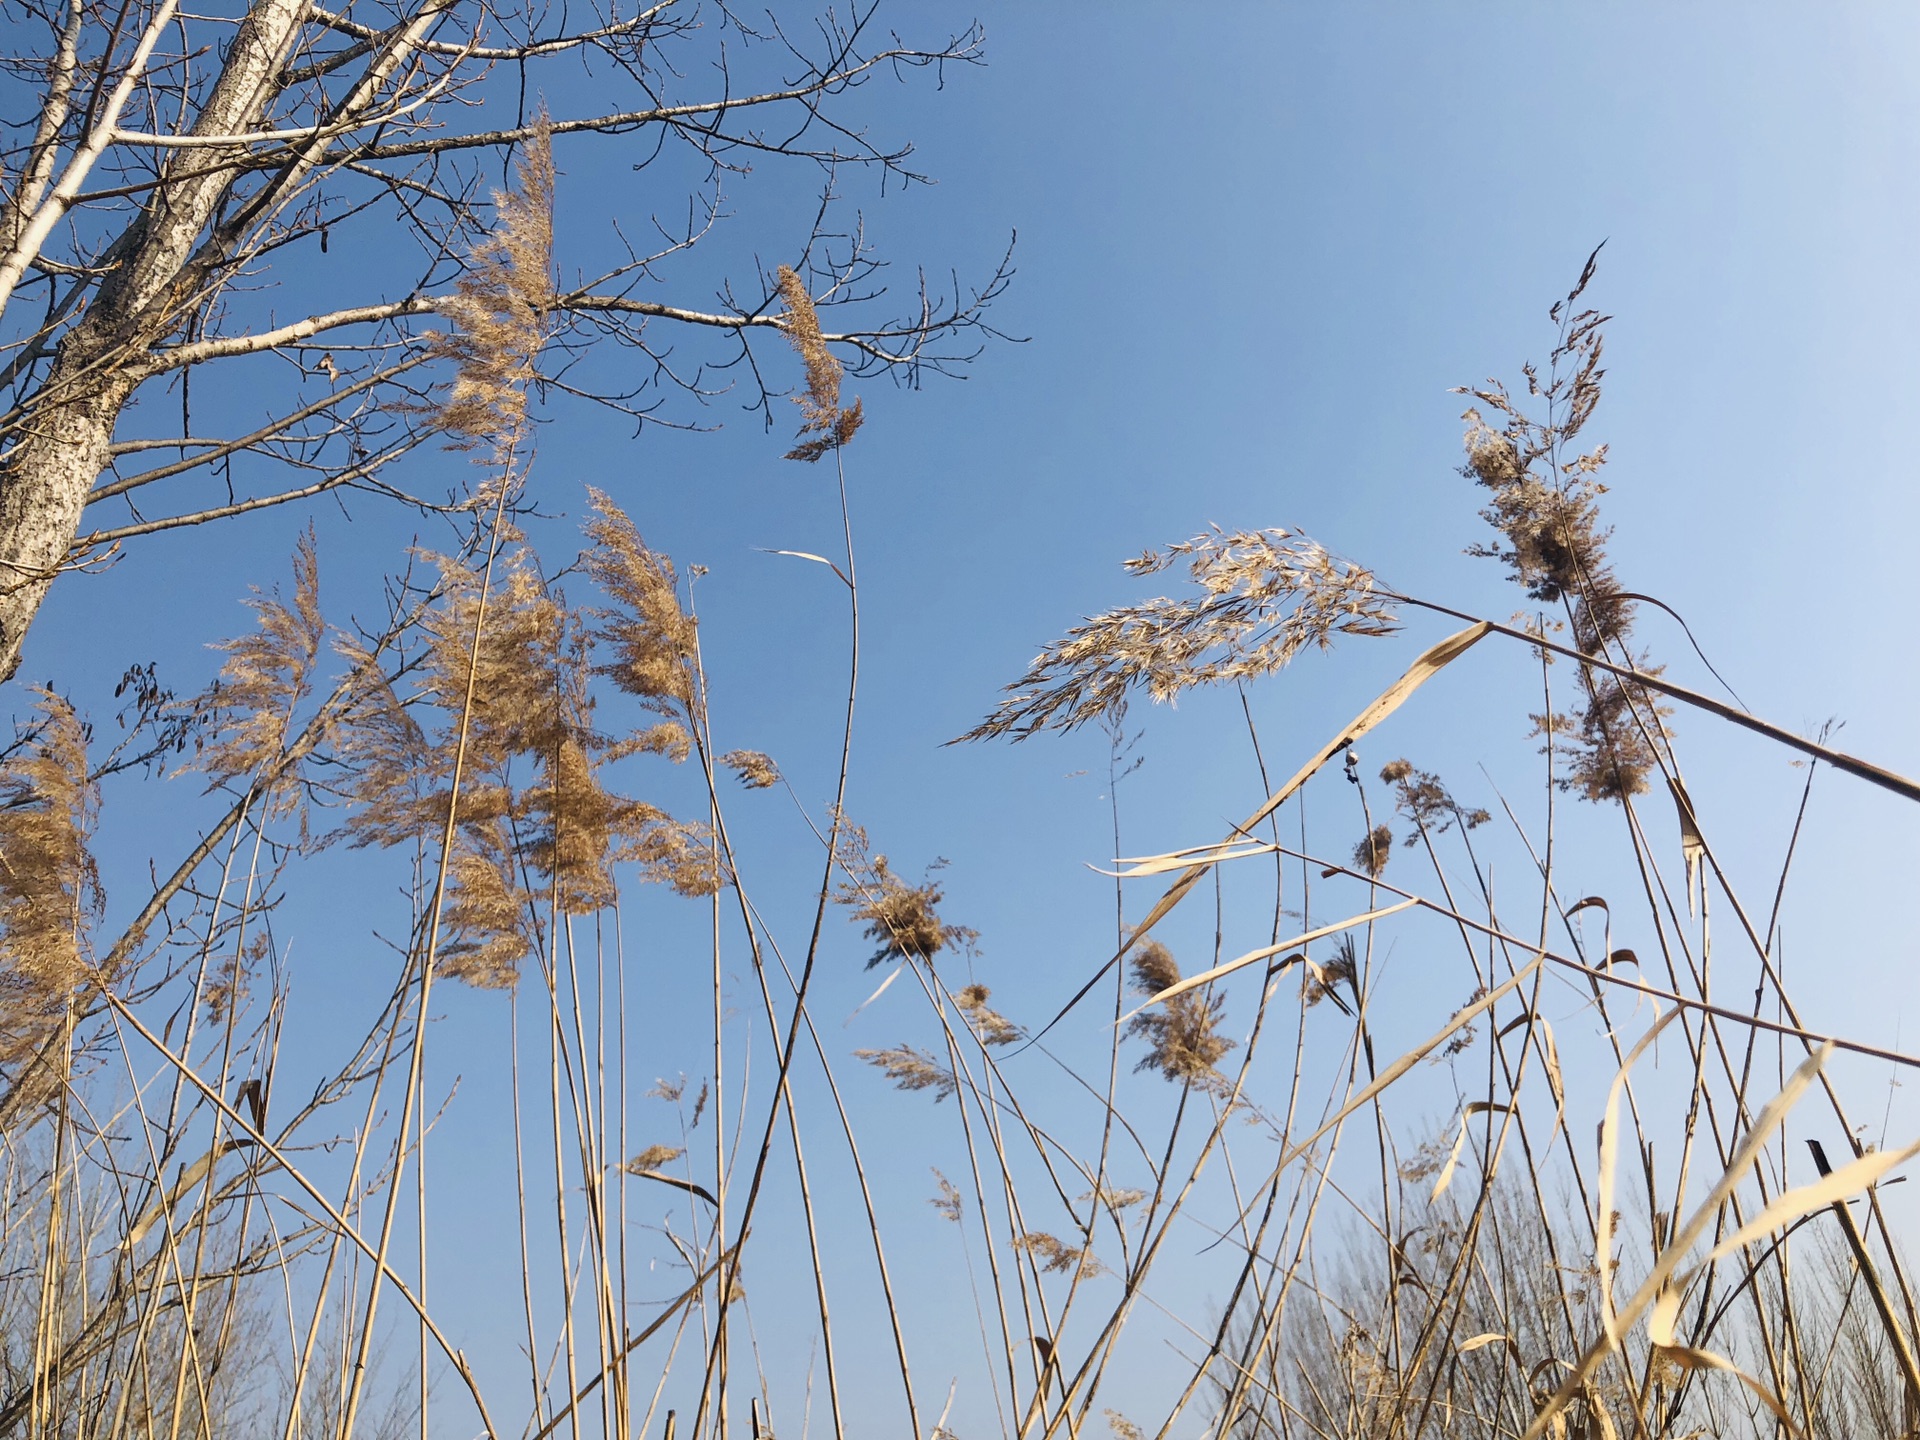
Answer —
181 167
97 539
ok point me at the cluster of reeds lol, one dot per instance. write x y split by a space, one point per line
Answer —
1236 1210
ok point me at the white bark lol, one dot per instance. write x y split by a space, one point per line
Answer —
46 475
47 214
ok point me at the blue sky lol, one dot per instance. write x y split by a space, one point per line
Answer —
1256 246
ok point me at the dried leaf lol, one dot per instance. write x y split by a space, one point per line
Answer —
1693 846
1609 1165
1426 665
1478 1107
1207 977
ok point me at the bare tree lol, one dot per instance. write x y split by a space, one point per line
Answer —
176 160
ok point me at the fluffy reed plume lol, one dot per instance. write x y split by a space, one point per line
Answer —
988 1024
500 310
525 676
754 770
1422 798
1181 1035
903 920
383 746
1374 850
948 1202
49 886
1057 1257
484 935
1122 1427
650 636
1545 504
679 854
821 415
579 828
403 772
263 680
651 640
912 1069
558 835
1265 595
230 977
652 1158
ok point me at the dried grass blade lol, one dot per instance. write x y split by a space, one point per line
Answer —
1402 1065
1693 845
1849 1180
1831 1189
190 1177
816 559
1491 1337
1660 1322
691 1187
1758 1136
892 975
1550 1053
1429 663
1477 1107
1267 952
1609 1164
1140 867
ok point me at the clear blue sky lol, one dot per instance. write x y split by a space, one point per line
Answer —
1257 245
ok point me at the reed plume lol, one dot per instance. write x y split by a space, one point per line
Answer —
1056 1257
650 636
500 310
754 770
263 680
912 1069
49 885
903 920
485 924
1183 1043
1545 505
559 833
1424 799
1375 849
652 1158
822 417
948 1202
1265 595
989 1025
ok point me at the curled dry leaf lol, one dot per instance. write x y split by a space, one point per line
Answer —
1477 1107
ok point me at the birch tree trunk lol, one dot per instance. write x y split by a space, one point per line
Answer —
97 364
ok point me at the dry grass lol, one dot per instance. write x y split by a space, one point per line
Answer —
49 885
1234 1209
